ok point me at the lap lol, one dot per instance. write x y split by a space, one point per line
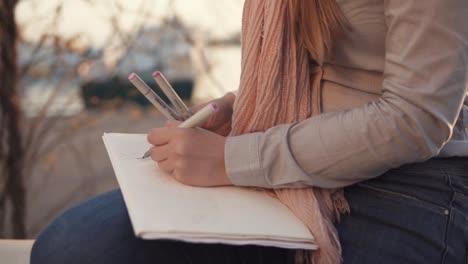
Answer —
414 214
99 231
410 215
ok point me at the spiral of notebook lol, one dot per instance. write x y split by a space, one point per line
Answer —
162 208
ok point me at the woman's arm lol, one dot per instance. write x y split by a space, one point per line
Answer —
425 83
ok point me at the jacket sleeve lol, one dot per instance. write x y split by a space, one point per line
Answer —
425 82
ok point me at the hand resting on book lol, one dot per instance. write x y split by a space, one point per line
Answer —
192 156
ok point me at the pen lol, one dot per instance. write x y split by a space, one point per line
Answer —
172 95
195 120
152 97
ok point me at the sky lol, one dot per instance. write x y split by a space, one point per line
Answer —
90 18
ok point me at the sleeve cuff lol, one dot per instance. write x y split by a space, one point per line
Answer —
243 161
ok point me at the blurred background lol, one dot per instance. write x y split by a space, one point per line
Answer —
63 83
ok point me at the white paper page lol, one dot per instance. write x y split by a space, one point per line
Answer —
160 207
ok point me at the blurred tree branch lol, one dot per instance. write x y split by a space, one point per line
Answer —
11 150
42 124
44 133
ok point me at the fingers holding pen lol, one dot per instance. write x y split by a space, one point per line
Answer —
172 123
162 135
178 138
167 166
159 136
161 153
191 156
165 157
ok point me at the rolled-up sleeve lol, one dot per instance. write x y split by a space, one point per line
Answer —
425 82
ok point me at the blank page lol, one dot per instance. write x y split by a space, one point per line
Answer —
162 208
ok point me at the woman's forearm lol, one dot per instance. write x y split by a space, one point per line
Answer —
425 81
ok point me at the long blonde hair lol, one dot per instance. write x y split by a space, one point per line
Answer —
317 23
284 45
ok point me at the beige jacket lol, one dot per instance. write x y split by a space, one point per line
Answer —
394 92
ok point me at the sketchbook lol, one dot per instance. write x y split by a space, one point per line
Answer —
162 208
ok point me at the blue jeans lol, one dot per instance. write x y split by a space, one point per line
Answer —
414 214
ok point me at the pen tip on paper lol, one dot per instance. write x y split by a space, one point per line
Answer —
147 154
132 76
156 74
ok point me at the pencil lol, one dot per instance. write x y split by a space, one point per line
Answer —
172 95
152 97
195 120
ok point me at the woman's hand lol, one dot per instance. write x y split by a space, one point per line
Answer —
220 122
192 156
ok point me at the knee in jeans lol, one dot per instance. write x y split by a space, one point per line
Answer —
53 245
84 232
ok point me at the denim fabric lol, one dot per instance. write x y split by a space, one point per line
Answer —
415 214
99 232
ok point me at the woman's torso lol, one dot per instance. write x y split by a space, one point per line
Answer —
353 75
